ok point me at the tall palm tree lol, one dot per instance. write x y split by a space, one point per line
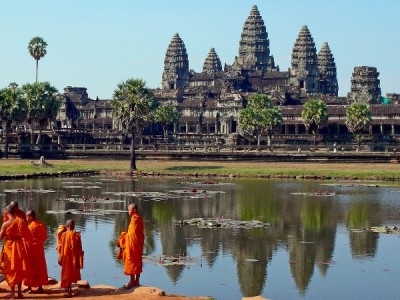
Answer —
12 110
134 106
315 116
37 48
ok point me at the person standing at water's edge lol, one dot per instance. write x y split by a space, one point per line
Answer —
38 275
17 212
15 250
131 246
70 255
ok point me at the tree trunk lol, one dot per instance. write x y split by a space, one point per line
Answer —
8 127
37 68
32 135
39 135
133 154
258 141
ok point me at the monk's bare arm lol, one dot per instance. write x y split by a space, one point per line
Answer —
3 230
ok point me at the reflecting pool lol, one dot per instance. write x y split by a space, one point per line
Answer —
312 246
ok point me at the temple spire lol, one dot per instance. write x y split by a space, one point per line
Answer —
254 53
212 64
304 71
176 65
327 71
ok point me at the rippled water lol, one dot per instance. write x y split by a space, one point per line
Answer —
309 249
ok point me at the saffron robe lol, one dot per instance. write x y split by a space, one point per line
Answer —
18 213
38 274
131 243
70 255
15 252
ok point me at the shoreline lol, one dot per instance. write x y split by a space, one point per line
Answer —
16 169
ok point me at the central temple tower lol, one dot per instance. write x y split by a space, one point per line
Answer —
254 51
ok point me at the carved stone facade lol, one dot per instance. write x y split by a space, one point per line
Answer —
327 71
304 71
365 86
176 65
210 101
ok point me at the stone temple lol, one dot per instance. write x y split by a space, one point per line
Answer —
209 101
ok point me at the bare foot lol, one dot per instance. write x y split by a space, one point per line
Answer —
10 296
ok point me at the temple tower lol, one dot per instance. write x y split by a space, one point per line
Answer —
176 65
212 64
365 86
327 71
304 71
254 51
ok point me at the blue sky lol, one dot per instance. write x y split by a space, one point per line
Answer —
97 44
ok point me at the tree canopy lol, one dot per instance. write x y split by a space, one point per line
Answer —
260 117
166 114
37 49
358 118
134 106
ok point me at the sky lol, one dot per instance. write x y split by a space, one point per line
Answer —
97 43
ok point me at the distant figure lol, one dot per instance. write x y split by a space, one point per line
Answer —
38 274
17 212
131 247
70 255
14 254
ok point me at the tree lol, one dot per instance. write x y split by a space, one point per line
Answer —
315 116
134 106
358 118
42 105
166 114
37 48
12 110
260 117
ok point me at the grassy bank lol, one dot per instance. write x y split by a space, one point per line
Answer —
243 169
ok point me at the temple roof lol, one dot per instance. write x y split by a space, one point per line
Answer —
304 52
212 64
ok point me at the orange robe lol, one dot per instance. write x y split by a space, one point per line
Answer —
18 213
38 274
132 243
15 252
69 247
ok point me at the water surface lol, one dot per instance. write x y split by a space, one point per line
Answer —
309 250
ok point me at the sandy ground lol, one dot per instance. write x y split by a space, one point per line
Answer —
84 292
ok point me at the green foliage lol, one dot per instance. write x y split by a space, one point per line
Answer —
358 117
42 102
134 105
314 114
166 114
259 116
12 104
37 47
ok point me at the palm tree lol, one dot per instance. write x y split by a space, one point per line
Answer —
166 114
358 118
37 48
42 105
12 109
315 116
134 106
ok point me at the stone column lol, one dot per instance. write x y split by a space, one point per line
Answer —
392 129
370 129
381 128
187 128
286 129
296 129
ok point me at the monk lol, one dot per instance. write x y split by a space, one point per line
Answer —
18 212
38 274
15 250
131 247
70 255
